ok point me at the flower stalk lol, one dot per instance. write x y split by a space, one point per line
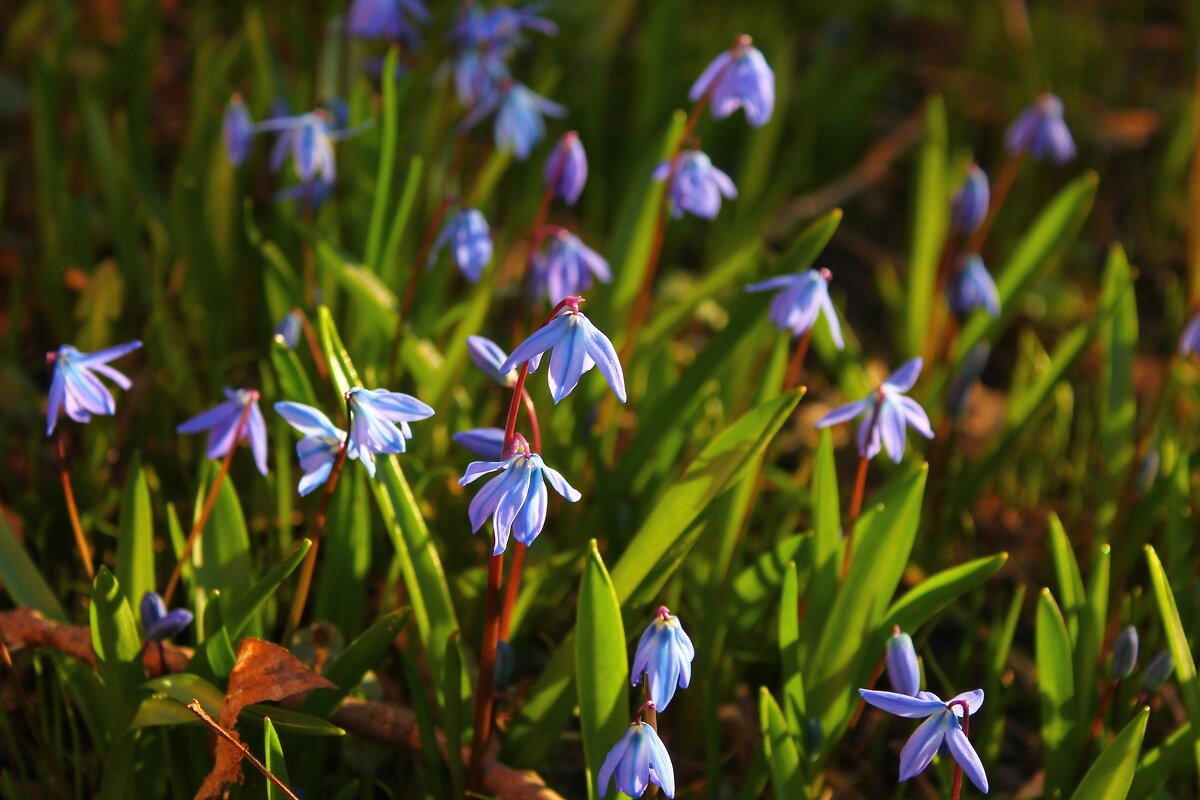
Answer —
796 363
956 782
81 542
856 499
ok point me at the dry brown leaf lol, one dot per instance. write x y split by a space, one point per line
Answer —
262 672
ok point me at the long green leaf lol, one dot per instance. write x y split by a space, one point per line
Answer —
1112 774
273 760
1067 576
118 650
22 579
1056 685
789 657
1177 642
135 537
917 605
782 755
241 610
931 209
387 160
826 547
1118 405
346 671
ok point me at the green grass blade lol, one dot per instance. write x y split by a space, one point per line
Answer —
783 757
916 606
273 760
1177 642
931 208
1056 685
789 643
389 269
135 537
22 579
1112 774
363 654
118 650
387 160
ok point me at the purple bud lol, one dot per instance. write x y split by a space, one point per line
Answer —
1189 340
288 329
904 673
1041 131
238 130
970 205
972 287
470 241
1124 653
1156 672
160 624
487 443
567 168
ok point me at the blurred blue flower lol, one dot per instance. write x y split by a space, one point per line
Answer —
477 74
76 390
636 761
1041 131
237 130
887 412
738 78
308 139
221 422
489 357
943 725
576 346
516 500
1124 653
386 19
803 297
696 186
500 29
1189 340
664 654
566 267
374 415
487 443
289 328
971 287
518 126
319 448
567 168
903 670
969 208
470 243
158 623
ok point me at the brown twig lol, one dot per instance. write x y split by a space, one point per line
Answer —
196 709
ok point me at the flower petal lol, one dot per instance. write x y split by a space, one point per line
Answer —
965 755
843 413
539 342
901 704
922 746
905 375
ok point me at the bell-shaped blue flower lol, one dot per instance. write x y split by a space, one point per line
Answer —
576 346
487 443
500 29
566 267
664 654
969 207
943 725
696 186
636 761
567 168
319 448
802 298
904 673
374 417
158 623
971 287
222 423
1189 339
1041 131
289 328
76 390
470 242
519 125
489 357
308 139
738 78
886 413
237 130
386 19
516 500
477 74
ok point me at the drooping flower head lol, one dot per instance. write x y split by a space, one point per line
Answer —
903 670
971 287
237 130
158 623
470 241
1189 340
696 185
516 500
289 328
567 168
319 448
518 126
489 357
308 139
803 297
1041 131
969 207
226 427
76 390
576 346
664 654
487 443
566 267
394 20
1124 653
477 74
637 760
944 724
738 78
374 417
500 29
887 412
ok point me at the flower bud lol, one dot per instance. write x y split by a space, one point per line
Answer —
1156 672
970 205
1124 653
904 673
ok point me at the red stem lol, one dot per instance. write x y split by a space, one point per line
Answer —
860 484
81 543
796 364
956 784
518 563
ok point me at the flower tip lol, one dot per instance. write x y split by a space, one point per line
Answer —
744 41
826 274
663 612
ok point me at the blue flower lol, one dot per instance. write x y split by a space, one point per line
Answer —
577 345
566 267
1189 340
487 443
1041 131
158 623
887 412
664 654
738 78
386 19
971 287
804 297
518 126
308 139
76 390
499 30
904 673
637 760
289 328
374 415
517 499
319 448
222 422
237 130
969 208
567 168
696 186
1124 653
489 357
943 725
477 74
470 243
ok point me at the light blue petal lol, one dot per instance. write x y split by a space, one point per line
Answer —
843 413
915 415
484 503
965 755
477 469
891 428
539 342
257 433
567 360
660 762
532 517
923 745
974 701
905 375
560 483
312 480
306 419
108 354
600 349
902 705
